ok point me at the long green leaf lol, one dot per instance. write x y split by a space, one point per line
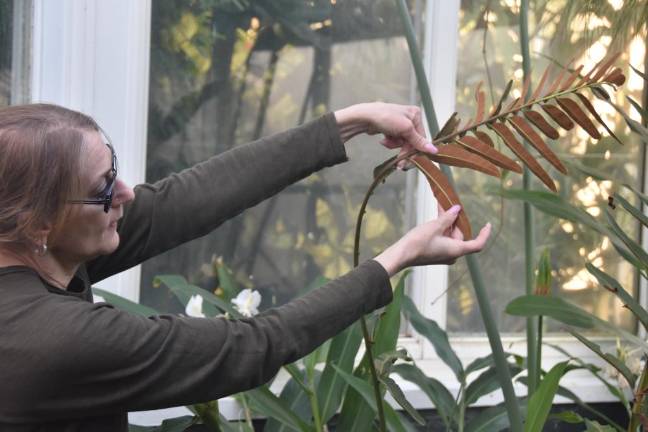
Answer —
487 361
434 390
615 286
634 211
356 415
294 396
342 352
540 402
568 394
552 204
594 426
554 307
596 372
178 424
612 360
569 314
493 419
366 392
226 280
399 397
125 304
179 283
634 247
263 401
435 334
388 328
486 383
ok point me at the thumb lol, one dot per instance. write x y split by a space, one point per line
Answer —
419 142
447 219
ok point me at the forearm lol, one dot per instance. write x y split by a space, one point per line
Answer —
192 203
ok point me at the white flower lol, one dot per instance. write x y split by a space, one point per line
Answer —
247 302
194 307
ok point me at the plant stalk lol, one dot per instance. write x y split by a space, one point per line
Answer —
314 403
529 237
501 365
640 394
209 414
462 407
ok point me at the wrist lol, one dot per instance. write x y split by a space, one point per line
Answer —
351 122
393 259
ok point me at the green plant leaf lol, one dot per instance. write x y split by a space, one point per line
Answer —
318 356
594 426
596 372
637 106
638 72
540 402
385 361
435 334
567 417
554 307
399 397
178 424
294 396
388 328
567 313
487 382
552 204
366 392
634 247
612 360
634 211
180 284
226 280
435 391
263 401
356 415
342 352
493 419
125 304
488 361
614 286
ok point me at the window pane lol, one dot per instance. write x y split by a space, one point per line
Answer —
570 246
15 18
223 75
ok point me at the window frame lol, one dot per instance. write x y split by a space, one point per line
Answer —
93 56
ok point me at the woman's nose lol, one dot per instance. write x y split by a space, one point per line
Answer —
123 193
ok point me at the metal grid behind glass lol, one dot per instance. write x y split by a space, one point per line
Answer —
222 76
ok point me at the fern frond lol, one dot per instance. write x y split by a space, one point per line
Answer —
561 104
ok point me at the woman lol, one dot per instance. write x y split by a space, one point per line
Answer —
67 220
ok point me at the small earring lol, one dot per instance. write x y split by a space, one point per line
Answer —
41 249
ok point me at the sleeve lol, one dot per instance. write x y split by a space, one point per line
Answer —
101 359
190 204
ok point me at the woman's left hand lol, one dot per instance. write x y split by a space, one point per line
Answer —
401 125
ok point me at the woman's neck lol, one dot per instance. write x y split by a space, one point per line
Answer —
56 271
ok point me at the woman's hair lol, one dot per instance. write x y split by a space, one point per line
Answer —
40 158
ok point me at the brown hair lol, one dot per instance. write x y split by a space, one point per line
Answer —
40 157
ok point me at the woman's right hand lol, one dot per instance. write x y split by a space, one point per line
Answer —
436 242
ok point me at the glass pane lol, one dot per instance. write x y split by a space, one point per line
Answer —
570 246
226 73
15 18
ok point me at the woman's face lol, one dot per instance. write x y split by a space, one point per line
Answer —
88 231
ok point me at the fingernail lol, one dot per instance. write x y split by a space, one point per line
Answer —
455 209
431 148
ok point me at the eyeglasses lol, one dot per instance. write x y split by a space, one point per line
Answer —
104 197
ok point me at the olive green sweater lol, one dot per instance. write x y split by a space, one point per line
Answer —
67 364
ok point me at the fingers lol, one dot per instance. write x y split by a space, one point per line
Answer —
478 243
448 218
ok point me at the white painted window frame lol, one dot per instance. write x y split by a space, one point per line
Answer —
93 56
